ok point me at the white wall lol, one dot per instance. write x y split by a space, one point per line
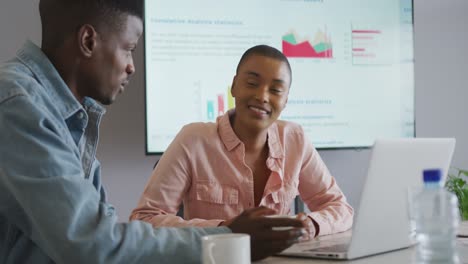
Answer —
19 19
441 99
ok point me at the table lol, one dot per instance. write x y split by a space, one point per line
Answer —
399 256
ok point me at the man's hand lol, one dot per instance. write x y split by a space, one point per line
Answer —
264 241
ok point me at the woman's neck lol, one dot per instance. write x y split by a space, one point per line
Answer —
254 140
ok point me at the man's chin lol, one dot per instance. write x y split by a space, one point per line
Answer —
106 100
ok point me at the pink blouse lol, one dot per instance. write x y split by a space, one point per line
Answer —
204 168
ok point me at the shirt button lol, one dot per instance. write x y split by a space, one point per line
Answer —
110 211
80 115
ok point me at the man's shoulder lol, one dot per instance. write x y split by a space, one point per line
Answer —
16 79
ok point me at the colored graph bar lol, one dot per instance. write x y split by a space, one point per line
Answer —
367 31
320 48
230 98
220 104
367 55
210 112
363 37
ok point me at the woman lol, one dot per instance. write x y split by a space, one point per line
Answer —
246 159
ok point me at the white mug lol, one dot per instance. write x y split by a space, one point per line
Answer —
226 249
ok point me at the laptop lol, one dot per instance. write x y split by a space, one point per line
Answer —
381 222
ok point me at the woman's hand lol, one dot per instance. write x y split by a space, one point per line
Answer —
309 226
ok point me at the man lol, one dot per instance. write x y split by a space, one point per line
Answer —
53 206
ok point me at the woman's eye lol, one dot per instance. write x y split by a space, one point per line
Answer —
276 90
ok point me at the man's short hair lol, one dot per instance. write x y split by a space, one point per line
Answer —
61 17
266 51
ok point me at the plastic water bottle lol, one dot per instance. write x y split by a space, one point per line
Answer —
436 218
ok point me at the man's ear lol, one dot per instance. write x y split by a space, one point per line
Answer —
87 40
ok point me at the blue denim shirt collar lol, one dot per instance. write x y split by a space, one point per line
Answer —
33 57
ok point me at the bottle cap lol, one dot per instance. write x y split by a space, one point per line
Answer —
432 175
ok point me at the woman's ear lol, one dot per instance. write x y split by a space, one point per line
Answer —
87 40
233 90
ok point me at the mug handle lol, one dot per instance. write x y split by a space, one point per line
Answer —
210 252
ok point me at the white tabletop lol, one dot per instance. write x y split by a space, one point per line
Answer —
399 256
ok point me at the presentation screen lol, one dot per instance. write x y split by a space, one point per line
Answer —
352 65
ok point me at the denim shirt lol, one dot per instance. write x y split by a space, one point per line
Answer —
52 203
